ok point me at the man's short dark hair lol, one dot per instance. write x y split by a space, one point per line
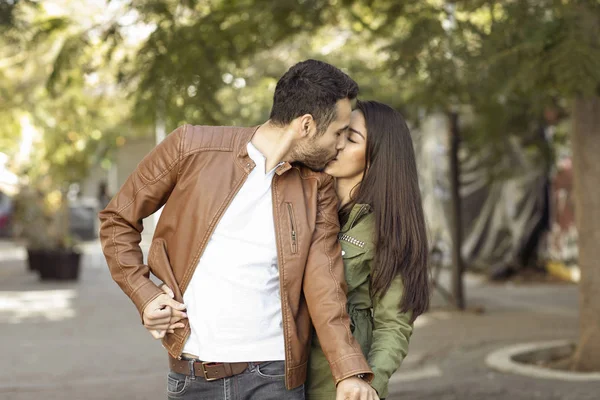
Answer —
311 87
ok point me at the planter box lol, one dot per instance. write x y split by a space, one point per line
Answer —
57 264
34 259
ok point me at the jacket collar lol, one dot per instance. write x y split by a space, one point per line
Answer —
356 213
241 149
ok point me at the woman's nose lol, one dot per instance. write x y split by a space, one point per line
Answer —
341 142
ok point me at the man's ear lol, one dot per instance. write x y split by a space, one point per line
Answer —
307 125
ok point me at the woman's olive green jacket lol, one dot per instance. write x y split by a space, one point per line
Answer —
377 323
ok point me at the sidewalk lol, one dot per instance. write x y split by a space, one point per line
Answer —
84 341
450 347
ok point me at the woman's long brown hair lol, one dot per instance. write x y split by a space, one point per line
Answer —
391 187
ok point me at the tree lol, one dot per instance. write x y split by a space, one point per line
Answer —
586 147
217 62
181 70
558 55
508 61
49 64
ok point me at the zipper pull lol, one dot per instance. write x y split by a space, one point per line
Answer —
294 244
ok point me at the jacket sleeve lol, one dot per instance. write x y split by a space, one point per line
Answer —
325 292
145 191
391 333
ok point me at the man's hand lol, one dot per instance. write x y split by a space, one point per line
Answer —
163 314
355 389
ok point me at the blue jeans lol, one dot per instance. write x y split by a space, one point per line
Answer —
264 381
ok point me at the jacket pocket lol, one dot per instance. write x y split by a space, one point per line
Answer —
352 265
158 261
293 232
349 252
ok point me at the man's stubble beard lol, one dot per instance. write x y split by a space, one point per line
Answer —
312 156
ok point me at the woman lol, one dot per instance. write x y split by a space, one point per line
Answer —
384 244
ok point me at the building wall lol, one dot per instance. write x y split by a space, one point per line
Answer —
126 160
128 157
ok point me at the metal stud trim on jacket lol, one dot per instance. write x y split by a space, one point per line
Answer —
351 240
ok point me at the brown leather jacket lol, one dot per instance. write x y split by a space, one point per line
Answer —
195 173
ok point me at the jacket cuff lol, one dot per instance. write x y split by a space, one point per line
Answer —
347 367
380 384
144 295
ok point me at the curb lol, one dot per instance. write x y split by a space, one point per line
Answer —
562 271
502 360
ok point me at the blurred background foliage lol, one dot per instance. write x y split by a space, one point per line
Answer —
90 74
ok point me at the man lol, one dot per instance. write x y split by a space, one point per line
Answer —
247 240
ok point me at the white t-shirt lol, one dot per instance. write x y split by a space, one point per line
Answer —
233 300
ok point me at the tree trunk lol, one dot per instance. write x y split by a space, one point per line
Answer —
586 168
457 260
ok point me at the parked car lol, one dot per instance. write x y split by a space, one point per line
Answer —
6 214
83 218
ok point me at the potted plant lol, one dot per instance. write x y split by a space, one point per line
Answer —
62 156
42 222
64 103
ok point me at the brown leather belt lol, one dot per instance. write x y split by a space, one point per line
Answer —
208 370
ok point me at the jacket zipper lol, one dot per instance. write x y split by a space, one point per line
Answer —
293 227
281 276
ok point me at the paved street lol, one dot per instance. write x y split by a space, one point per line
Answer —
84 341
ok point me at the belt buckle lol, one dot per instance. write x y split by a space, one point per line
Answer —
204 364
